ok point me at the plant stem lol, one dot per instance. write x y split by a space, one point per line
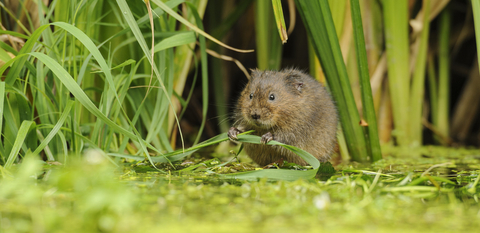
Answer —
396 38
418 81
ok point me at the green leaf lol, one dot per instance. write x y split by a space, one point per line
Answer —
275 174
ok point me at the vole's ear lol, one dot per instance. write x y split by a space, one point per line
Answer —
299 86
296 82
255 73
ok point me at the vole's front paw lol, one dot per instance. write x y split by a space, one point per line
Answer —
232 133
266 138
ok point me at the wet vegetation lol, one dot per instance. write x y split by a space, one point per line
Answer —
431 190
114 116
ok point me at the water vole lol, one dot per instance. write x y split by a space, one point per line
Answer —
288 106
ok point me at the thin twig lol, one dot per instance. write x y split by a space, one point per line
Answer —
292 12
227 58
434 166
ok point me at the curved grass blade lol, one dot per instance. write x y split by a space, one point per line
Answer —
178 39
303 154
12 33
422 179
277 174
180 154
280 20
272 174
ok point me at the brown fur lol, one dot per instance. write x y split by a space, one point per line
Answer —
302 114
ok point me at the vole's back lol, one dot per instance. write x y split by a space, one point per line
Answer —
293 107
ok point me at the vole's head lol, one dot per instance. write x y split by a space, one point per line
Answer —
271 98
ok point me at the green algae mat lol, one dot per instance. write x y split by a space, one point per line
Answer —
431 189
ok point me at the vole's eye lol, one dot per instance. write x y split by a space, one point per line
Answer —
251 95
271 97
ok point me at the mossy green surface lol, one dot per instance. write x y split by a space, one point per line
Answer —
430 192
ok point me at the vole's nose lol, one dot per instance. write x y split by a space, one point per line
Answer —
255 116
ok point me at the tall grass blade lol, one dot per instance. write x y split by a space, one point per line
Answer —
373 143
339 9
152 51
318 21
127 14
2 101
204 64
